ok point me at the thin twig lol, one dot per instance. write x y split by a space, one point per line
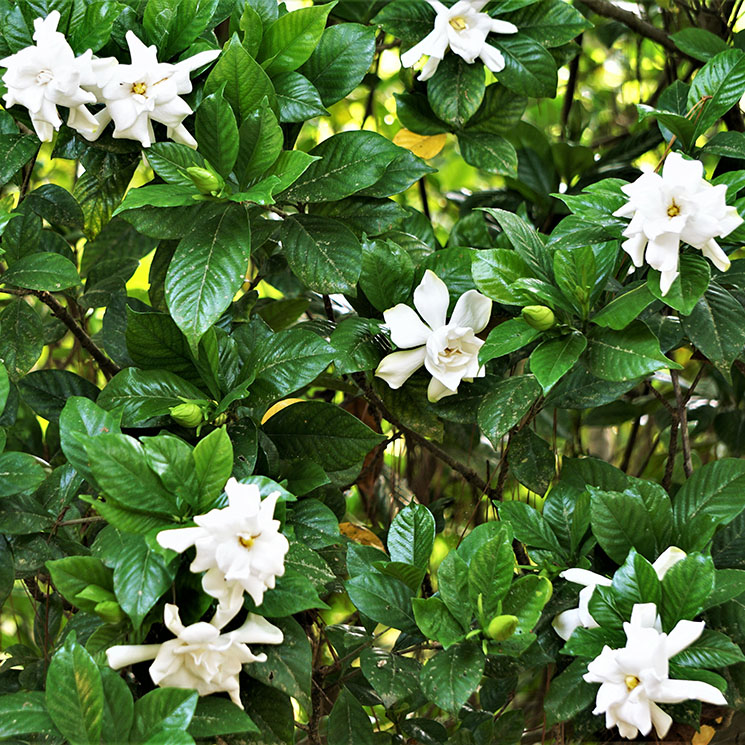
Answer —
630 444
683 422
671 453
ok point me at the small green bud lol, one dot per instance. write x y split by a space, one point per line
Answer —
206 181
187 415
539 317
502 627
95 593
220 419
109 611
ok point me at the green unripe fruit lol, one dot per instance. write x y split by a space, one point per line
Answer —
206 181
539 317
109 611
502 627
187 415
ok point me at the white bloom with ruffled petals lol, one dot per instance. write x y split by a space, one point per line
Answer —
47 75
680 205
239 546
566 622
199 656
462 28
449 351
635 679
146 91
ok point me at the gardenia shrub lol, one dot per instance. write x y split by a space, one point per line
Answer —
371 373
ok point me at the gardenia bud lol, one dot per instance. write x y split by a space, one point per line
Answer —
539 317
501 628
109 611
206 181
187 415
220 419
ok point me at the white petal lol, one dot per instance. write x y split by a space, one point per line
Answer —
398 367
430 68
676 691
566 622
662 252
407 329
667 559
661 720
666 281
492 58
130 654
436 390
714 253
472 310
684 634
503 27
634 247
729 222
585 577
257 630
179 539
644 615
678 170
431 299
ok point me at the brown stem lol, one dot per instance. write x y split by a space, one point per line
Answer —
672 451
608 10
108 367
566 107
683 421
630 444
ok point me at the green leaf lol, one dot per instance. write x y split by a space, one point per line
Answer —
42 271
412 536
158 195
635 582
456 90
260 144
15 151
73 574
384 599
712 649
451 676
171 159
323 253
120 468
532 461
387 273
394 677
506 338
74 695
437 622
489 575
207 269
550 22
625 308
174 24
7 572
218 716
160 712
526 599
551 360
297 98
529 69
688 287
452 584
291 39
529 526
340 60
569 694
349 162
698 43
91 24
627 354
506 405
19 473
716 326
245 81
213 459
348 724
723 79
499 113
730 145
685 589
489 152
143 394
288 666
217 132
24 713
46 391
409 20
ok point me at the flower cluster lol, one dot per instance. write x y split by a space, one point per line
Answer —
566 622
635 678
680 205
240 549
48 74
462 28
449 351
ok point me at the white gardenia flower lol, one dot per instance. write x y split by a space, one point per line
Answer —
146 91
239 546
449 351
199 656
462 28
680 205
635 679
48 75
566 622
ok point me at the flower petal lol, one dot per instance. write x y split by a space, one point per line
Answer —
436 390
122 655
677 170
257 630
179 539
673 691
407 329
667 559
660 719
503 27
585 577
684 634
472 310
566 622
431 299
398 367
714 253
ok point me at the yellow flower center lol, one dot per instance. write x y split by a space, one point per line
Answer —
673 210
459 23
631 682
247 542
139 88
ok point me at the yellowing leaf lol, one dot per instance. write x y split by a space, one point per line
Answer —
274 408
425 146
361 535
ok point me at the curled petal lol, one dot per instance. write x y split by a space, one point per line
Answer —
179 539
257 630
684 634
431 299
436 390
503 27
472 310
714 253
585 577
634 247
667 559
566 622
407 329
122 655
398 367
672 691
661 720
492 58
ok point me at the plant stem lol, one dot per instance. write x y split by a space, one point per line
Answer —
683 422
